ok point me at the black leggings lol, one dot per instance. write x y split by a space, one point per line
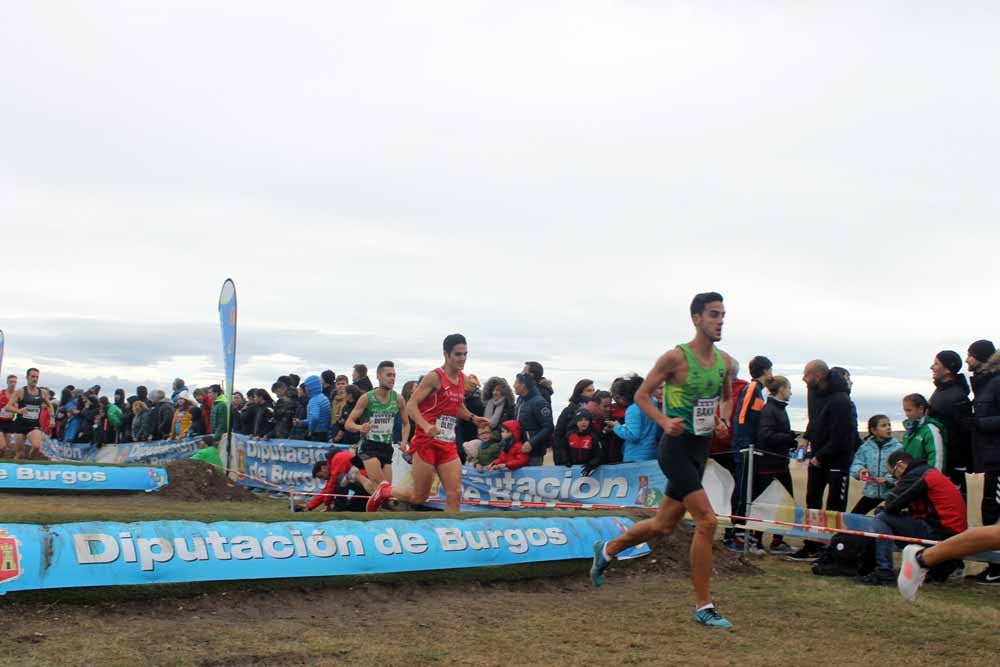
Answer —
865 505
991 498
836 499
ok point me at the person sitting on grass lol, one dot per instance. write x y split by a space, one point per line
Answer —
342 473
924 439
483 450
512 456
925 504
871 464
209 452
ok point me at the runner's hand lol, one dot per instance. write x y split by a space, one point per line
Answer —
721 430
480 421
432 430
365 428
674 427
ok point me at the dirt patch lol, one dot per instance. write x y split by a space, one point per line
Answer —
196 480
671 557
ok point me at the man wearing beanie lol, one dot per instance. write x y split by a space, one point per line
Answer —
950 405
984 362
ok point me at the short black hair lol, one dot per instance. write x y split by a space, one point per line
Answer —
600 395
916 400
11 376
900 455
384 364
361 368
284 380
328 376
451 340
535 369
626 388
699 301
216 389
28 372
526 379
278 385
294 379
759 365
354 391
318 466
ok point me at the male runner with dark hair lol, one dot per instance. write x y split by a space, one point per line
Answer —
697 376
374 416
436 405
27 404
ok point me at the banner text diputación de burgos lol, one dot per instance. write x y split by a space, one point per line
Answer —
104 548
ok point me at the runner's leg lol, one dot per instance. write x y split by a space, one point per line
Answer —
660 525
19 448
36 445
423 477
972 541
451 479
706 523
387 472
374 469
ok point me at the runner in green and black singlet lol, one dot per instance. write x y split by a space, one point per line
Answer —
697 393
375 416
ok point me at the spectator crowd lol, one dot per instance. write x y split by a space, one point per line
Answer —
916 485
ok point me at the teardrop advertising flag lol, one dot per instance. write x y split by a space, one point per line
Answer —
227 320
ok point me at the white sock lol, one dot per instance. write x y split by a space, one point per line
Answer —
710 605
604 552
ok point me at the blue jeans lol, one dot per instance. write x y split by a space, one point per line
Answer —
893 524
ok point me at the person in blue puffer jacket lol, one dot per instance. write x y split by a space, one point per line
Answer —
871 464
317 419
640 433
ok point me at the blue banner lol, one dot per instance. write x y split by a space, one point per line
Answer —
227 322
157 452
51 477
110 554
284 463
68 451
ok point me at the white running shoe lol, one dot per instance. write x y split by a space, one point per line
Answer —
911 575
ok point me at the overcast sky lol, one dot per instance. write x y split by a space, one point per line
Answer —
554 180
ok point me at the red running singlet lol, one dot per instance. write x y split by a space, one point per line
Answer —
440 409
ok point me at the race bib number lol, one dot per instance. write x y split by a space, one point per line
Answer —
32 412
382 423
704 415
447 426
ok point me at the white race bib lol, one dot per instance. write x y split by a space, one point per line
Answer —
447 426
382 423
32 412
704 415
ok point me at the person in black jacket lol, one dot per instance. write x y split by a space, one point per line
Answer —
284 410
582 392
774 440
584 444
163 415
950 405
263 422
833 438
984 363
535 417
361 381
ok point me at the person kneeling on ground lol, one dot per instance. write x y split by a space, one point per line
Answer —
483 450
343 472
512 455
209 452
936 511
871 464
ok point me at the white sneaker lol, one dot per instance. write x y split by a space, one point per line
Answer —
911 575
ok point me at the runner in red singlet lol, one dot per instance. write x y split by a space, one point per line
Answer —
435 407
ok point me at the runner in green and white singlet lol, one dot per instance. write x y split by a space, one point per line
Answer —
698 391
374 416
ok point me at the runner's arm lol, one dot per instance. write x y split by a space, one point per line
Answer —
428 385
466 414
352 419
11 406
726 404
403 418
665 368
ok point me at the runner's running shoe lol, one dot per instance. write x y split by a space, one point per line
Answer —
382 494
600 564
990 576
711 618
911 575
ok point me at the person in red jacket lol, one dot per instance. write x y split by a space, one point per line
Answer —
340 472
935 508
512 455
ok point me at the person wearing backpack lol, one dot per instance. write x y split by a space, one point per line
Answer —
871 464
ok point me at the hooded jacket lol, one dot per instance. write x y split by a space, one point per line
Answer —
834 432
318 408
564 426
774 438
535 417
163 419
219 421
284 412
950 405
924 441
511 450
873 456
640 434
142 426
930 496
986 416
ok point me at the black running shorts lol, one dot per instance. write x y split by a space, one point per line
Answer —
371 449
682 460
6 426
25 426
